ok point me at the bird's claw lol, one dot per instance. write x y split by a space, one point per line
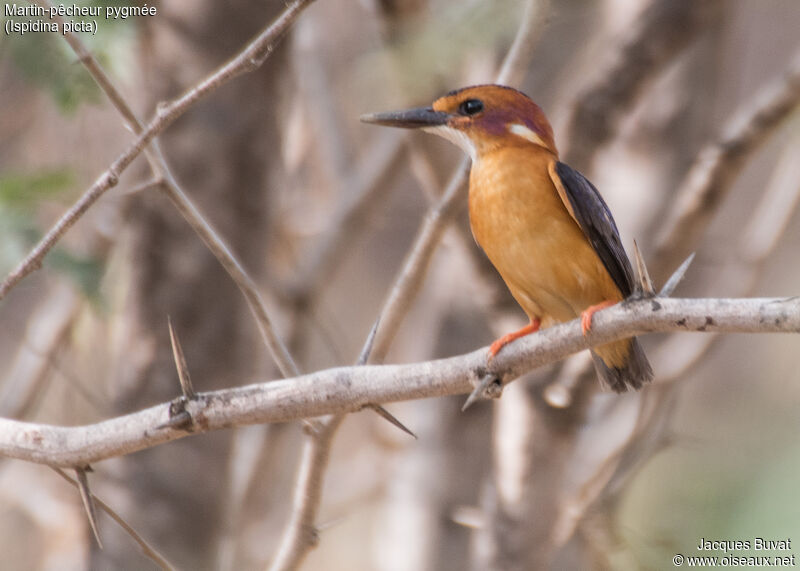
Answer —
588 313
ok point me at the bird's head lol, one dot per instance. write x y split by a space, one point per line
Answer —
478 119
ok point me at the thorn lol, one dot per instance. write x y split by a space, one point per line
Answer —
367 349
322 527
484 390
88 501
645 283
676 277
363 357
382 412
180 364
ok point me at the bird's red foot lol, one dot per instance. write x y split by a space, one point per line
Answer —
586 314
531 327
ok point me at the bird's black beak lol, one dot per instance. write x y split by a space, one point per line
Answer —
409 119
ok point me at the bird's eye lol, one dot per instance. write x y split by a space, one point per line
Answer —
471 107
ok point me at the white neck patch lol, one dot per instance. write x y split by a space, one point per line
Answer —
458 138
526 133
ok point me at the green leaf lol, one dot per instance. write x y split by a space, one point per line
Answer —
44 62
24 191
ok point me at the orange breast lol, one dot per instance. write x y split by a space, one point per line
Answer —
520 222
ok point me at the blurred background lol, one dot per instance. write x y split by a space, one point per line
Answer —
322 211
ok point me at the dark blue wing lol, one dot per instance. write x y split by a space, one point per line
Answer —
591 213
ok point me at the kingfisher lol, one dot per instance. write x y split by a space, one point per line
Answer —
542 224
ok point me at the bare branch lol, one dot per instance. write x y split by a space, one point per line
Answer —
714 172
180 200
516 61
410 280
301 533
348 389
237 272
248 59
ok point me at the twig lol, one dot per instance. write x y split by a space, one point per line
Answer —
165 180
237 272
516 61
147 549
248 59
662 31
301 533
348 389
179 198
410 280
713 173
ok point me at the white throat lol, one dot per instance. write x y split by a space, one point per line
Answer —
458 138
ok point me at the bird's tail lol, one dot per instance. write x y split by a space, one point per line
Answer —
622 365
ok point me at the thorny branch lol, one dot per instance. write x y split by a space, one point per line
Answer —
312 484
249 59
348 389
166 181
